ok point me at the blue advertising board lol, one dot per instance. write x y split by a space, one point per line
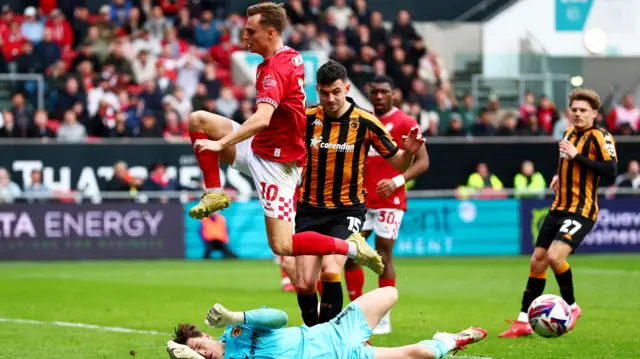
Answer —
572 15
431 227
311 65
449 227
617 227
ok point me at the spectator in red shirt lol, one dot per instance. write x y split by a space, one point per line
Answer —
547 114
221 53
5 21
625 114
175 129
61 31
171 7
12 44
528 107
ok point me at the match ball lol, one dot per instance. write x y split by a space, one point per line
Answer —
550 316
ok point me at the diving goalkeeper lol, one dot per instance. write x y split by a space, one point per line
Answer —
261 333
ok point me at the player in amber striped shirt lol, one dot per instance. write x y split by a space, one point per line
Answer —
587 153
339 135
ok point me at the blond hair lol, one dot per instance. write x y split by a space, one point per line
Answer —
272 15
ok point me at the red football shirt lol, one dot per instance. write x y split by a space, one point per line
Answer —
280 82
377 168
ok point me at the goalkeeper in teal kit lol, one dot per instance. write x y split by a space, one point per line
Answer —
261 334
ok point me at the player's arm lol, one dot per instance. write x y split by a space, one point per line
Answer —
606 163
420 164
263 318
384 144
270 87
412 142
254 124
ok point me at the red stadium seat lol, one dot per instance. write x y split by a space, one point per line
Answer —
53 125
93 139
93 18
64 196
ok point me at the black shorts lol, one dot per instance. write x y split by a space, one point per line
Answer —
569 228
334 222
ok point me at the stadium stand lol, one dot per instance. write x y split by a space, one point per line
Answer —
129 69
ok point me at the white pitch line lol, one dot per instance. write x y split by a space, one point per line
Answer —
607 271
82 325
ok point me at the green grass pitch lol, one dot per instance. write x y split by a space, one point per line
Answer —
444 294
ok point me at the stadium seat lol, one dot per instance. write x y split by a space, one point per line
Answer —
53 125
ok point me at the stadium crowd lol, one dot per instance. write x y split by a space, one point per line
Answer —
138 68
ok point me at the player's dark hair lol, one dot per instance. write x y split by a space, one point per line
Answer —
331 72
184 332
271 15
589 96
383 79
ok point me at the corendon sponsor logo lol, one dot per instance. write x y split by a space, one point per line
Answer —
316 142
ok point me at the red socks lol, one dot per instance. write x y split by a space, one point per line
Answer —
355 283
386 282
208 162
316 244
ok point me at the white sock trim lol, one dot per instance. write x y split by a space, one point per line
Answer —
449 342
523 317
217 189
353 250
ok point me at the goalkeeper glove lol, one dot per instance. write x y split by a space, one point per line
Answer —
219 317
179 351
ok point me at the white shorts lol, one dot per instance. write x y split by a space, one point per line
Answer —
384 222
275 182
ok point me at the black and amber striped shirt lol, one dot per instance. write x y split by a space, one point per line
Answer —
333 176
577 183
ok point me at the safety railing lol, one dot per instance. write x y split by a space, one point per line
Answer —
188 196
27 81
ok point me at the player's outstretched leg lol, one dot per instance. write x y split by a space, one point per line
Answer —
208 126
365 254
316 244
535 288
438 347
558 253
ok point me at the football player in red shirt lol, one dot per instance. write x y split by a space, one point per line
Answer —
269 146
386 197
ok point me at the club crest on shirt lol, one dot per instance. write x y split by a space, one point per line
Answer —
268 83
236 331
354 125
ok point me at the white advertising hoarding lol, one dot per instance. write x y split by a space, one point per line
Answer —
562 28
